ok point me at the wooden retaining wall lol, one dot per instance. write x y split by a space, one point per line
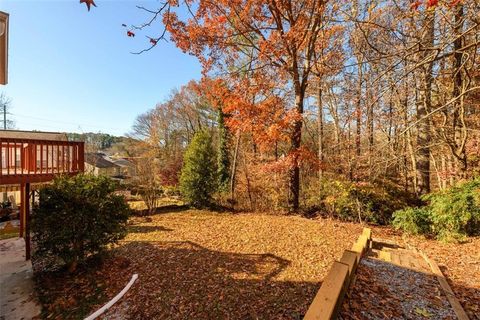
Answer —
329 298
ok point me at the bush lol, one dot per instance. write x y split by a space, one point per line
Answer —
198 176
413 220
452 214
361 201
78 217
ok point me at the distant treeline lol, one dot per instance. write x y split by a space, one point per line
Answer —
99 141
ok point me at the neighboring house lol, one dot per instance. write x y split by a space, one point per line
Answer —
100 164
34 135
127 168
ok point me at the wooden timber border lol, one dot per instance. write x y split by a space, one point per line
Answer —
447 290
329 298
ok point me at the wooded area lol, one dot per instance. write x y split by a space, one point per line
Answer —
312 91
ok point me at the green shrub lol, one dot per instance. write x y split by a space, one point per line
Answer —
78 217
362 201
413 220
198 177
452 214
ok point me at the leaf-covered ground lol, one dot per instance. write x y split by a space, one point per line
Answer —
205 265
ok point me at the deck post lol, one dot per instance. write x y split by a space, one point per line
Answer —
25 217
22 210
81 156
27 221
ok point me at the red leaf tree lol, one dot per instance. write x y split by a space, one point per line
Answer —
265 51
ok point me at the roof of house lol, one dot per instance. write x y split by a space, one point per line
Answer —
35 135
99 160
123 163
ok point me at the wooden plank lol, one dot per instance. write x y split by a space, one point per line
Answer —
457 307
395 259
367 232
351 259
1 157
329 298
357 247
4 49
385 256
22 211
361 244
27 220
50 152
32 178
403 260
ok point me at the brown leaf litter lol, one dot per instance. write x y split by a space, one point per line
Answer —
207 265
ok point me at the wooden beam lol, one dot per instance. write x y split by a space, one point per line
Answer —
22 210
329 298
27 221
457 307
4 48
32 178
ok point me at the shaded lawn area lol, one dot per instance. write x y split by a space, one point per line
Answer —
205 265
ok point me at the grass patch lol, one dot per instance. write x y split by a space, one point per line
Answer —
4 236
9 231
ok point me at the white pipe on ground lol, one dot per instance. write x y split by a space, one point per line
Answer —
113 301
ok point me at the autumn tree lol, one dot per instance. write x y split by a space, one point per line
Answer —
274 37
166 130
395 89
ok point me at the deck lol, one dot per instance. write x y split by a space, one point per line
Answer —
32 161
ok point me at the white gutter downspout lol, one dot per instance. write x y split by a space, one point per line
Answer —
113 301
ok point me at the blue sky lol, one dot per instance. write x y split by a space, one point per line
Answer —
72 70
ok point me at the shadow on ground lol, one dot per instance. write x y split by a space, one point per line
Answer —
147 229
182 280
163 209
177 280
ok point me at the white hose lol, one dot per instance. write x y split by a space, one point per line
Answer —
113 301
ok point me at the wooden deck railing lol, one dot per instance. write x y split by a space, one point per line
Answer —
27 160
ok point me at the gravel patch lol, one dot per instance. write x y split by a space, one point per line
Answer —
383 290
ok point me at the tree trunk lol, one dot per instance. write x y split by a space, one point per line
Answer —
459 126
370 128
320 133
247 179
409 143
295 142
358 112
424 103
234 168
